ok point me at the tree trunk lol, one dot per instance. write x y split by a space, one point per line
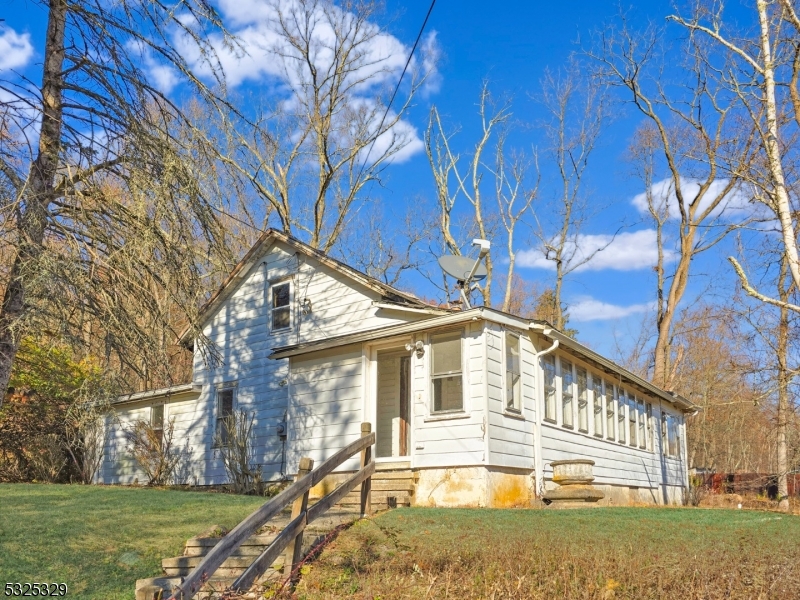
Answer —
663 348
41 184
783 389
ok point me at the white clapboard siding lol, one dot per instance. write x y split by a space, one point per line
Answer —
510 434
325 417
457 441
615 463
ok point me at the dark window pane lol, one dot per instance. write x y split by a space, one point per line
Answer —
224 411
280 295
281 318
157 417
447 393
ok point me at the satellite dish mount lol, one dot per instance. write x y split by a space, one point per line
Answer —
465 270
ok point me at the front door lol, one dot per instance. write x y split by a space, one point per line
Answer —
393 404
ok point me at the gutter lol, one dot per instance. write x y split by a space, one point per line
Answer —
568 342
411 309
150 394
373 334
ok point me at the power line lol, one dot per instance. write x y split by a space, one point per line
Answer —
397 87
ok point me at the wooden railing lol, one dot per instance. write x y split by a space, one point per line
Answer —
302 515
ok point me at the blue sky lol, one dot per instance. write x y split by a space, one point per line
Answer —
511 45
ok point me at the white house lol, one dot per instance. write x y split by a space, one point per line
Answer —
475 403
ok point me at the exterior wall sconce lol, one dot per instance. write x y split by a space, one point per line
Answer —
417 347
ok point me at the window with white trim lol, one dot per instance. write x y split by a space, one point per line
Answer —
631 419
622 405
610 411
664 448
157 422
446 372
567 393
225 397
597 405
280 306
549 369
640 413
673 435
513 373
650 431
582 381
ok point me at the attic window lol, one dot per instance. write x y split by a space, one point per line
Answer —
281 308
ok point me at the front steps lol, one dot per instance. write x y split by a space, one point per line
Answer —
177 567
393 485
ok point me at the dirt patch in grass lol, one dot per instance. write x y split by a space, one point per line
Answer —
599 554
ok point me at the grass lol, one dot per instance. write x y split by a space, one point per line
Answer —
100 540
603 553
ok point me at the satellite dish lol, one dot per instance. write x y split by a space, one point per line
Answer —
461 266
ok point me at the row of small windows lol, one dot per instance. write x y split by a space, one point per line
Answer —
611 411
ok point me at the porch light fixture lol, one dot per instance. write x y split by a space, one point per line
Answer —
417 347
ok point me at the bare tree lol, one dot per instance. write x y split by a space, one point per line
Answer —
312 154
703 146
510 172
756 68
577 111
95 117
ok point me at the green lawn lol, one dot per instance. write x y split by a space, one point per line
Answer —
99 540
602 553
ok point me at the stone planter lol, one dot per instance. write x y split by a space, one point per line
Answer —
575 490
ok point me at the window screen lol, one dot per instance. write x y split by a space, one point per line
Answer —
446 375
597 406
157 422
610 411
566 393
281 306
513 374
583 400
224 414
549 368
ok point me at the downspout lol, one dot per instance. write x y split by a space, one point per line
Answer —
539 394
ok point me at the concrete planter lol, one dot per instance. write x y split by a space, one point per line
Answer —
574 478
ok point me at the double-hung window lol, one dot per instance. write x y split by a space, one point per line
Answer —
446 372
640 412
650 431
513 374
582 381
567 393
622 404
664 448
549 369
673 436
597 405
224 415
632 419
157 423
280 306
610 416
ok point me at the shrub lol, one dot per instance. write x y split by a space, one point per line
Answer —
236 450
153 450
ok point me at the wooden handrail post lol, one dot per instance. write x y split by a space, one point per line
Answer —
366 486
294 551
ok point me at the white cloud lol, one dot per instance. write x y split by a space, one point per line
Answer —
585 308
628 251
263 56
735 203
15 49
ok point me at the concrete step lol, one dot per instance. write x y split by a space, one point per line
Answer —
232 567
